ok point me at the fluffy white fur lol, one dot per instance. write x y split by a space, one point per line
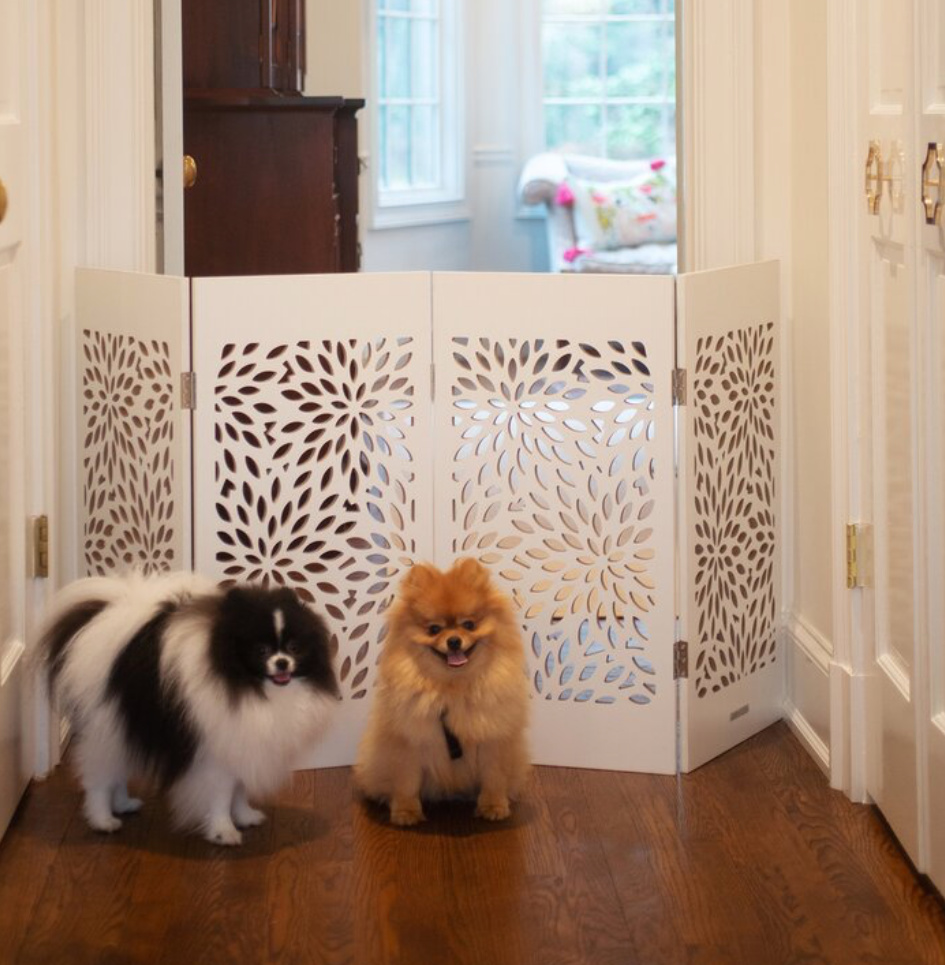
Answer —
245 749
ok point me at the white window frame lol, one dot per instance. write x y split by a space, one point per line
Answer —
533 80
447 202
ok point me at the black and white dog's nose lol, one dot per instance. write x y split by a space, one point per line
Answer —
454 643
282 664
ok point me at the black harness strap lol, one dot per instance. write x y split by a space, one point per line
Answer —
452 741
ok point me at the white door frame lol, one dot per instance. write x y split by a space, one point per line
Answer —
849 415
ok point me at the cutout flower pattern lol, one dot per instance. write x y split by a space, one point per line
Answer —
314 480
553 487
734 503
127 463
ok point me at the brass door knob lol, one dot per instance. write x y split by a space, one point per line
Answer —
3 201
190 171
934 158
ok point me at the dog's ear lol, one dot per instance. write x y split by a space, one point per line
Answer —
471 572
418 579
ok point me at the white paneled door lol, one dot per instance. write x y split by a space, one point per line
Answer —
885 45
901 131
14 767
930 306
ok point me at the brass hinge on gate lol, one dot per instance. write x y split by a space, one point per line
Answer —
859 555
680 659
679 386
39 547
188 390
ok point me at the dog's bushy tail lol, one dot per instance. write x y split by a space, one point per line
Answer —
74 608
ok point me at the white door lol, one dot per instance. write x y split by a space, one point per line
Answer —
930 304
14 766
728 591
888 313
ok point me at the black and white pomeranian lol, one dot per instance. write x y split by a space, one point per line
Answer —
215 693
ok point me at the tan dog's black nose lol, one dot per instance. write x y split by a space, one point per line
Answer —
454 643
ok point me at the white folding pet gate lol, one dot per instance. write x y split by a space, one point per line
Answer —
607 445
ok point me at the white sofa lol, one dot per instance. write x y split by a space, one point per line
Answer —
539 184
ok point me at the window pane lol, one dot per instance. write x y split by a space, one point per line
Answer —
424 59
634 131
573 129
396 5
425 148
555 8
397 148
382 57
571 60
636 59
398 57
619 7
424 7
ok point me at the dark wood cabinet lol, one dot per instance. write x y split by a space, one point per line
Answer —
244 44
276 188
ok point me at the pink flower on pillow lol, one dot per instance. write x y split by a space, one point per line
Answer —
572 254
564 196
646 217
657 164
599 198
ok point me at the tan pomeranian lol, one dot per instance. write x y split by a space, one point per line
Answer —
451 707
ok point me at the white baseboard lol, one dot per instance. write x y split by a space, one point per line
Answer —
808 737
807 696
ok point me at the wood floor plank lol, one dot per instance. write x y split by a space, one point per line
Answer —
751 860
27 856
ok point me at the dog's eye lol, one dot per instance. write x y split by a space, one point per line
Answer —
262 650
292 648
469 624
433 629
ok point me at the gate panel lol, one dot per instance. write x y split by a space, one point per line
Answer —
554 467
313 451
134 436
729 458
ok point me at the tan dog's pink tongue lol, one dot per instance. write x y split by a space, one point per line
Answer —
456 659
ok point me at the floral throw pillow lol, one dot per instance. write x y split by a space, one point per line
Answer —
622 214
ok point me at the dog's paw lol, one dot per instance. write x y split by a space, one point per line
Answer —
493 810
225 834
405 816
107 824
248 817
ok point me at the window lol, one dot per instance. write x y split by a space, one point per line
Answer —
609 77
418 134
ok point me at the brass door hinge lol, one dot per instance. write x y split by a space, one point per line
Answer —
680 659
859 543
39 547
679 387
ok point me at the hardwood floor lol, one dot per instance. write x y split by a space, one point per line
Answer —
750 860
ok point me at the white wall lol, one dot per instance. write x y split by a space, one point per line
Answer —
809 647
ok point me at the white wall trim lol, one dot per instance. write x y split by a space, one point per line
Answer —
118 85
718 133
808 737
811 641
848 487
